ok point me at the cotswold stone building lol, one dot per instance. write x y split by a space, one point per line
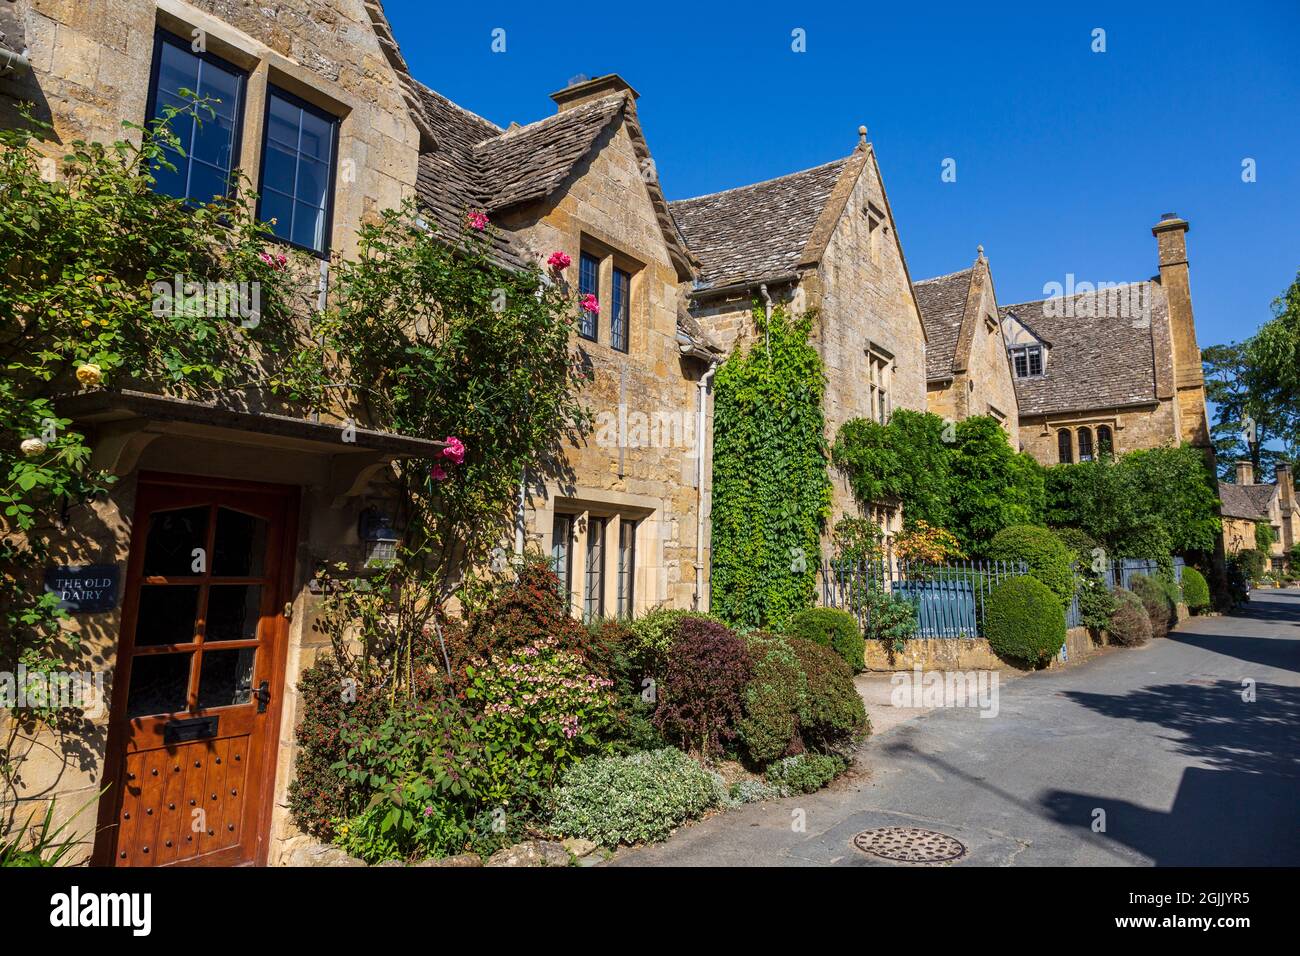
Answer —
823 239
319 110
1113 367
967 366
1247 503
625 529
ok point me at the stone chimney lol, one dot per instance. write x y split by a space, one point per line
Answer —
1285 484
1286 498
1245 473
575 94
1189 380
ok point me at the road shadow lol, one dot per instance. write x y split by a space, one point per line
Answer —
1240 810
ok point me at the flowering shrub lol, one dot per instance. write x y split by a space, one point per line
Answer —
559 261
541 709
477 221
922 542
634 799
700 696
589 303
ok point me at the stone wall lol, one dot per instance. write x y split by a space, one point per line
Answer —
91 68
1150 426
639 463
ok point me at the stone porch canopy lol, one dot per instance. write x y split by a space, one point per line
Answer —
124 423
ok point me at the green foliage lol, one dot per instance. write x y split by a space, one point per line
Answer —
1236 391
1024 621
653 634
993 486
1129 625
1264 536
891 619
771 492
699 699
1146 503
906 460
1160 598
1046 555
1081 545
805 773
540 710
1096 602
769 727
639 798
832 717
1196 590
833 628
1252 563
43 845
1273 357
379 833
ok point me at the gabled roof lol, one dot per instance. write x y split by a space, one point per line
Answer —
942 301
1246 501
1096 361
478 166
760 232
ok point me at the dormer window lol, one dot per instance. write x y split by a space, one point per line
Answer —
1027 360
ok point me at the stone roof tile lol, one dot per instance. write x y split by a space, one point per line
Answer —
1102 353
759 231
943 305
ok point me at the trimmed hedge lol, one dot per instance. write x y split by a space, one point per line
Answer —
1046 554
1160 598
1024 620
804 773
1129 626
1196 590
832 716
633 799
834 628
769 728
700 695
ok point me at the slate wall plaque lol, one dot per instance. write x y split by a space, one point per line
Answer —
84 588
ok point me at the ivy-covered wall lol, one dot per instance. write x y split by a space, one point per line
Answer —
771 491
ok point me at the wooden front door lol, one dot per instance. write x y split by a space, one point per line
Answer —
200 673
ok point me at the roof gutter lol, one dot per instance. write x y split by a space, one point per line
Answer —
737 287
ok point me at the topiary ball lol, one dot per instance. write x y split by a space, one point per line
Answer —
833 628
1024 620
1196 590
1046 555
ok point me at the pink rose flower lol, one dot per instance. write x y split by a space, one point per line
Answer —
455 449
437 472
559 261
589 303
478 220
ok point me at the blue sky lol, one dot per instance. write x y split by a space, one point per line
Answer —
1064 157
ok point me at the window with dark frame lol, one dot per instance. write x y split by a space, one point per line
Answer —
594 591
588 284
1085 444
1105 442
1027 360
618 313
562 553
1064 447
209 134
298 163
626 567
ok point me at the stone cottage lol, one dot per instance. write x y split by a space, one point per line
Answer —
1111 366
824 239
967 365
1247 503
318 89
624 529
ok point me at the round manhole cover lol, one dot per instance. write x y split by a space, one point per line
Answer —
909 845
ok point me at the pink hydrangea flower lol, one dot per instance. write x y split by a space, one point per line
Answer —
478 220
455 449
559 261
589 303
